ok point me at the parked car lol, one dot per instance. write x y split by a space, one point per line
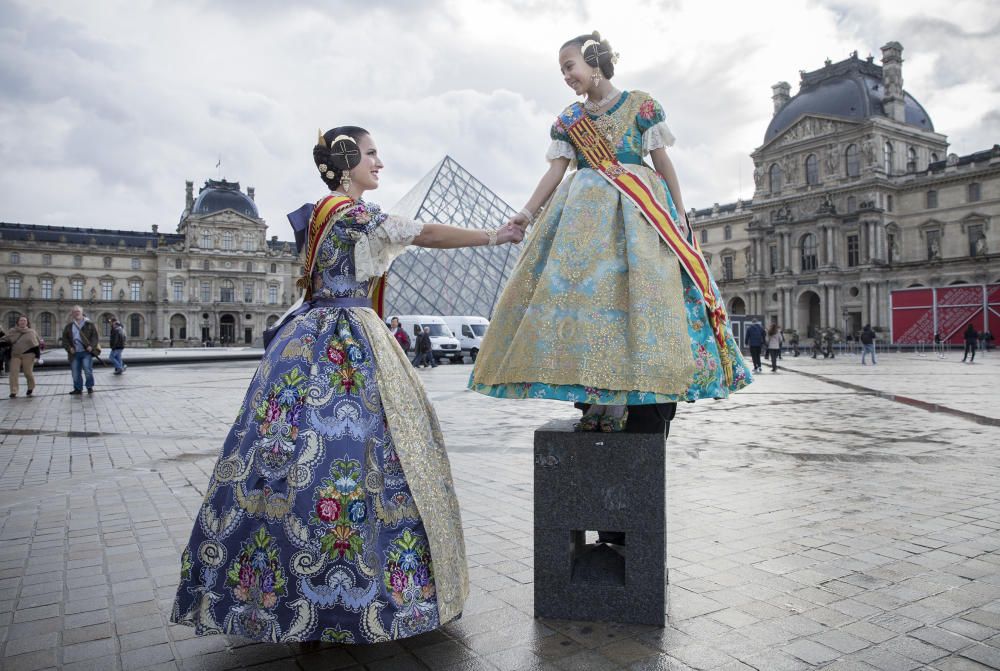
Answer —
470 331
444 345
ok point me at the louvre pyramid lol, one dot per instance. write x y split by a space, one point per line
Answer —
451 281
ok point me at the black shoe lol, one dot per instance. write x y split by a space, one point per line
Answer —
29 392
13 395
90 390
76 392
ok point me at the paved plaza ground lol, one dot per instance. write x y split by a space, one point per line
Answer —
831 516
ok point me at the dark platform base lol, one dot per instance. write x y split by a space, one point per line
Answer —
587 483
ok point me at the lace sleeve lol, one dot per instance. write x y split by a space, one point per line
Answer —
375 250
560 149
657 136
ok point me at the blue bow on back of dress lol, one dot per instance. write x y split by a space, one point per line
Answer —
299 219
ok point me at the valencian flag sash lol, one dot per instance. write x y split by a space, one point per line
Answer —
602 158
311 224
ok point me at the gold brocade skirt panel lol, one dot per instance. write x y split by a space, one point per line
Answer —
596 299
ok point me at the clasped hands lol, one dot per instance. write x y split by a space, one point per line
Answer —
510 232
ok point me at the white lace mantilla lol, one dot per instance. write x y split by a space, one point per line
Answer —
657 136
375 251
560 149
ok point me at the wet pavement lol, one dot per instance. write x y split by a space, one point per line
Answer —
831 516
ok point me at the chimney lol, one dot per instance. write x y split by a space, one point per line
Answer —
892 80
780 96
250 192
189 195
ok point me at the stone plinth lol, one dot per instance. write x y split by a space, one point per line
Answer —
615 484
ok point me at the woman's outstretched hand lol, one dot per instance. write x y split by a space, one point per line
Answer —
509 232
519 220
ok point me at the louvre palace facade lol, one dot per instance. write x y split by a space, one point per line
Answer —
216 278
857 199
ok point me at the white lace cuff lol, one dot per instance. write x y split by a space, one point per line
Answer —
374 252
560 149
657 136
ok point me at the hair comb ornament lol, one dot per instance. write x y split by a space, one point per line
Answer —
344 152
322 140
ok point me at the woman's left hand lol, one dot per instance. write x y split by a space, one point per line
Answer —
509 232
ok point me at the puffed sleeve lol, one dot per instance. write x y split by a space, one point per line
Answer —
653 125
560 147
375 250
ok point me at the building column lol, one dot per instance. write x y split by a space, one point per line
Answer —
788 252
870 229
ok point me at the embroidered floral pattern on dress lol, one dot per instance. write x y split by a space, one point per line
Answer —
278 418
341 510
256 580
408 579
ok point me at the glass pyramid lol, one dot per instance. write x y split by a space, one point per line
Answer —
451 281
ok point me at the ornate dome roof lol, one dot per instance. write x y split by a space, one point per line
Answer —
217 196
851 89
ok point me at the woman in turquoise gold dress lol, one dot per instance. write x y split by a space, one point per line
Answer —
599 310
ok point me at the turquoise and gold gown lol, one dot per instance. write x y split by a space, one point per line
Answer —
598 309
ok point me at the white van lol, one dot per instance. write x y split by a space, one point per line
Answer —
444 345
469 331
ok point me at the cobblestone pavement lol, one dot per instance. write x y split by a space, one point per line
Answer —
832 516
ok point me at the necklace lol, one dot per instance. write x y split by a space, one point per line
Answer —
593 107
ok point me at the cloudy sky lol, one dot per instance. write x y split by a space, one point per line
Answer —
106 108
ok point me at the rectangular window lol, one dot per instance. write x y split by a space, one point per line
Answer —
14 287
15 258
107 290
76 289
888 203
227 240
46 259
46 287
933 245
136 264
206 291
248 292
975 192
77 261
135 290
249 244
772 252
727 267
853 251
178 291
206 239
932 200
977 239
890 239
272 295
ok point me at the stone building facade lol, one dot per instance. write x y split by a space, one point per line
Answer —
855 196
217 278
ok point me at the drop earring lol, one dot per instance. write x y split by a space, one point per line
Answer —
345 182
596 77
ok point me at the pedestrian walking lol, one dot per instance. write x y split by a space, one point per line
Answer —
971 338
425 350
774 342
399 333
4 354
23 348
754 339
81 341
867 344
117 345
938 346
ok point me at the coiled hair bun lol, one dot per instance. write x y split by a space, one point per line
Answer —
596 55
333 153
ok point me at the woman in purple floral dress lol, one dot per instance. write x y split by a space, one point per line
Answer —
331 514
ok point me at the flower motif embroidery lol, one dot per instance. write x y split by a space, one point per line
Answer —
256 576
340 510
647 110
409 575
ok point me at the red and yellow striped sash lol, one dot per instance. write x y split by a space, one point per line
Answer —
603 159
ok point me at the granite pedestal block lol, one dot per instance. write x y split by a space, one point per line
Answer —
615 484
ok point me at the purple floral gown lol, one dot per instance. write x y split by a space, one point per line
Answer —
330 514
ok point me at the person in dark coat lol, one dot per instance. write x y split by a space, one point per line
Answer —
424 350
117 346
80 340
971 340
867 344
754 339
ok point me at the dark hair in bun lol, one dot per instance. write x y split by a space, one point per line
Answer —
596 56
334 161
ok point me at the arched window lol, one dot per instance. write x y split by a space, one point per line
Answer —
887 156
934 157
45 325
911 160
227 291
812 169
774 176
704 236
727 232
852 161
808 246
